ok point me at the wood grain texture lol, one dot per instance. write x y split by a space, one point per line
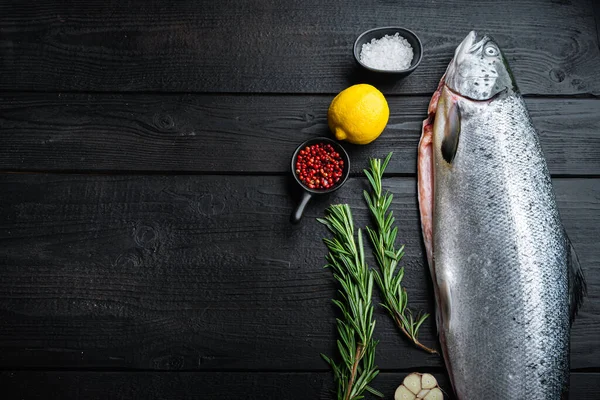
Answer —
280 46
246 133
213 386
205 272
596 6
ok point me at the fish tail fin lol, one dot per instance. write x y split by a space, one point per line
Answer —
577 284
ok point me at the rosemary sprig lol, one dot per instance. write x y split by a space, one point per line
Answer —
355 328
389 277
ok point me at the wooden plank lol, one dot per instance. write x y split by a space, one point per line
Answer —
67 385
205 272
597 17
278 46
224 133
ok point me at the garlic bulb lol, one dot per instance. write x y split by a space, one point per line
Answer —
419 386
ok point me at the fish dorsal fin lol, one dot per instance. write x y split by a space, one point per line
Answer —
451 133
577 285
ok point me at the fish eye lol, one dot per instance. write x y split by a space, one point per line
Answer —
491 50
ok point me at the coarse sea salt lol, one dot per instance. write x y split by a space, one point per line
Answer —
391 53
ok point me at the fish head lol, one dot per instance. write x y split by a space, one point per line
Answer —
479 70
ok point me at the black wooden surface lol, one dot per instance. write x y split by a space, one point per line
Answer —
284 46
214 386
235 134
145 249
205 272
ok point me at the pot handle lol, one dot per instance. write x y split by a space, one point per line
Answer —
297 214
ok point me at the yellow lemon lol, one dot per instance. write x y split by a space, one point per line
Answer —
358 114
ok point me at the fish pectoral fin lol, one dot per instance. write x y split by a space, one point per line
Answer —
444 305
451 133
577 284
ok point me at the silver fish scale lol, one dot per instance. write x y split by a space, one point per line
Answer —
500 258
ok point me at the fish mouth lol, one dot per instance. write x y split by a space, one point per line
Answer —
472 43
477 41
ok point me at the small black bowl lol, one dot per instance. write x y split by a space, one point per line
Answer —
378 33
307 192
